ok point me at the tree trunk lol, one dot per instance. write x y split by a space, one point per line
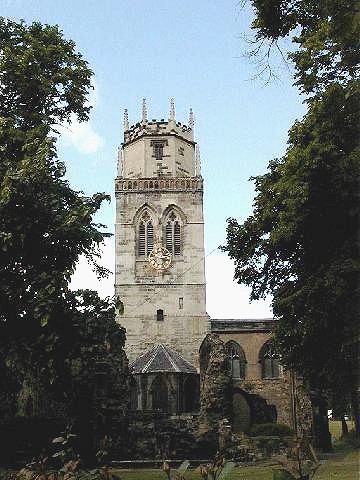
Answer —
355 403
344 427
321 433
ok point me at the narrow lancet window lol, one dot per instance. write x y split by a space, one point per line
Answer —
168 234
141 249
177 239
150 238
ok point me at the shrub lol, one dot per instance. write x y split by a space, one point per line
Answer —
270 430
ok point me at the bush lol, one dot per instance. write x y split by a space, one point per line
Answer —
270 430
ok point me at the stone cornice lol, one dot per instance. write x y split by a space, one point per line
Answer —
242 325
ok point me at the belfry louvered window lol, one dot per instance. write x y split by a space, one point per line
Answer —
173 235
145 235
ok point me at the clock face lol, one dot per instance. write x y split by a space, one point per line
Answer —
159 258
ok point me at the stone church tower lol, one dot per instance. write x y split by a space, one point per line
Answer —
160 267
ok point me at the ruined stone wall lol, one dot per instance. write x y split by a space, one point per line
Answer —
278 392
214 392
251 342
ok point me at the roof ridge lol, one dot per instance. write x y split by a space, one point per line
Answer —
140 356
177 369
151 359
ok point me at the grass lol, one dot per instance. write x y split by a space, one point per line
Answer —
335 428
343 465
241 473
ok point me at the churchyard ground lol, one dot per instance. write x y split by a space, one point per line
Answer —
342 465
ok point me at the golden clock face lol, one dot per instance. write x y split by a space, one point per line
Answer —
159 258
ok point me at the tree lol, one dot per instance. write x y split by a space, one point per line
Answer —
53 342
301 244
44 224
325 36
94 380
43 80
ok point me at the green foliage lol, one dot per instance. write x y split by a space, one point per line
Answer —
270 429
61 351
44 224
43 79
302 243
325 36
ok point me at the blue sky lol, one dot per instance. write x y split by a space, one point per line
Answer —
191 51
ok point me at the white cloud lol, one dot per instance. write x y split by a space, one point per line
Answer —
84 277
81 135
227 299
224 297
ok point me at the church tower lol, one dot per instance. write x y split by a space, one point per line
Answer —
160 273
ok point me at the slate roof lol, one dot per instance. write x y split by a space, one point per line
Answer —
161 359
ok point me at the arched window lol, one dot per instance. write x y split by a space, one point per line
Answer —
133 394
145 235
173 234
159 390
236 360
269 360
190 394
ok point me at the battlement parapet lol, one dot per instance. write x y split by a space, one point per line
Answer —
156 127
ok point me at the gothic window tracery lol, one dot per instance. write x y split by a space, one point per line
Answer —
269 360
236 360
173 234
145 235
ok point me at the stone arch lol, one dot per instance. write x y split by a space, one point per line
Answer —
139 212
241 412
178 211
249 409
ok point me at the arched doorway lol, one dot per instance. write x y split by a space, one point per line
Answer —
241 413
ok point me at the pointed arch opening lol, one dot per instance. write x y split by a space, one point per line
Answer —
236 360
160 394
173 221
144 232
269 361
